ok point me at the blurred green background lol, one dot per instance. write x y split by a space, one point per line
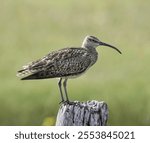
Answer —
29 29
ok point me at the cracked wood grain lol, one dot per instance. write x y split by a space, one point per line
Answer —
90 113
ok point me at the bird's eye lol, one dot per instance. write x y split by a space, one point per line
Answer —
92 40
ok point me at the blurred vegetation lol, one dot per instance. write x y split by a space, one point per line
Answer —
29 29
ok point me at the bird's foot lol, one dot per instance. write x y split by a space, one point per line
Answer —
65 102
62 101
69 102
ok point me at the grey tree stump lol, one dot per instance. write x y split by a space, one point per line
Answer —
90 113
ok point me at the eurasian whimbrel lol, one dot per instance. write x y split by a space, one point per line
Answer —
64 64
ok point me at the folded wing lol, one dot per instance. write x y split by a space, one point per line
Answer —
61 63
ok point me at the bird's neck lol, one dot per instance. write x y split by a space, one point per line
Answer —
93 54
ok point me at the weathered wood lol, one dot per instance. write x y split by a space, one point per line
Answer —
90 113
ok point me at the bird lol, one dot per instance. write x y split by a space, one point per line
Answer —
66 63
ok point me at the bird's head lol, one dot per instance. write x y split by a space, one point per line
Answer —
93 42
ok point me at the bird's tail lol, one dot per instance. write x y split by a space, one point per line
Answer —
24 72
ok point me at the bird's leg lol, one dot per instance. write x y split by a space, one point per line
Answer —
61 93
65 89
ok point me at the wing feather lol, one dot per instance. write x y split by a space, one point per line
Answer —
61 63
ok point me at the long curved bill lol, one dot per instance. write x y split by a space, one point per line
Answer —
104 44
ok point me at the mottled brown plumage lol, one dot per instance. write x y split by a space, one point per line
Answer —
65 63
62 63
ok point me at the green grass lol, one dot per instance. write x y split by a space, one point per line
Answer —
29 29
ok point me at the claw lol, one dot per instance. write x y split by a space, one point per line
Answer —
61 102
69 102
